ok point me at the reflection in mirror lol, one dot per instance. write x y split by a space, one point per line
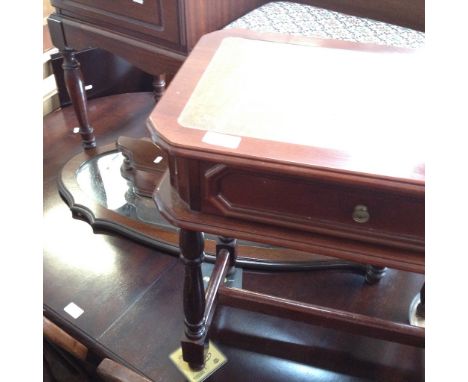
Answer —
100 179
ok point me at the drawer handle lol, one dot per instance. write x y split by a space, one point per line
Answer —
361 214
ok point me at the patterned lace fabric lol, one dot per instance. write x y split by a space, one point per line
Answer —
310 21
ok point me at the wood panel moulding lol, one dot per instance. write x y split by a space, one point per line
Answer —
313 205
155 18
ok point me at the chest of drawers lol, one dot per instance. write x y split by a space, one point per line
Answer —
154 35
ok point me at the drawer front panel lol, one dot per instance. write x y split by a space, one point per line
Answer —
158 18
148 11
342 210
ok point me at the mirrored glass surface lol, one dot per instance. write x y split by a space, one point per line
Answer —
100 179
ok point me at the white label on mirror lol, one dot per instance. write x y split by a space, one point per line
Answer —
138 1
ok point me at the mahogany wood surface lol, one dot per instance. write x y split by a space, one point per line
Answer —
156 19
62 339
132 295
177 212
111 371
312 314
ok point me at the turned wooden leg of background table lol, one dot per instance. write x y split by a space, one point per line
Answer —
76 91
374 274
159 86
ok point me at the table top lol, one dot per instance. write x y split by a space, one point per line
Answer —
337 107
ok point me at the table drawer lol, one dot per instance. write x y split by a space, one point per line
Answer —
345 210
157 18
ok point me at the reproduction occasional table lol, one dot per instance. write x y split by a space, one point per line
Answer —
313 145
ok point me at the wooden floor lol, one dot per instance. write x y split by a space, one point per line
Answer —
132 294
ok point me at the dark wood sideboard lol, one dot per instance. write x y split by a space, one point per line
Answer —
157 35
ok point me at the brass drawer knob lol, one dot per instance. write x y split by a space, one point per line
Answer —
361 214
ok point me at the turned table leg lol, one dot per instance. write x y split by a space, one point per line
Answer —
159 86
374 274
76 91
194 342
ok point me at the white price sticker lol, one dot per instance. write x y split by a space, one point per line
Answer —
224 140
73 310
